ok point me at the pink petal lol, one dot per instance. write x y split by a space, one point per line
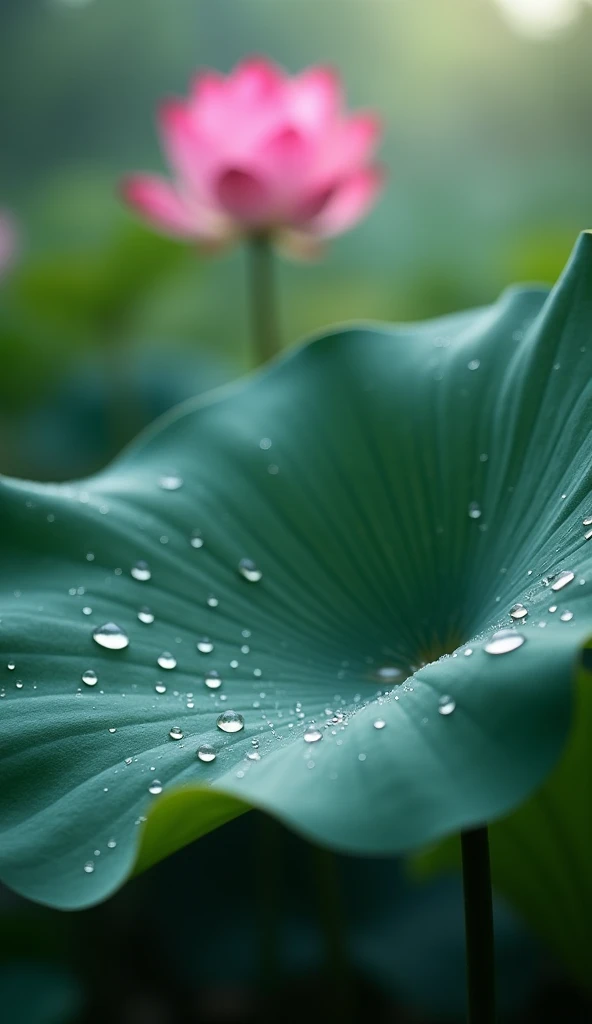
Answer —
185 149
244 196
160 205
347 204
359 138
284 157
255 80
316 97
208 86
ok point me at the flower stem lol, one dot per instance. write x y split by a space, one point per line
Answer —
265 335
478 926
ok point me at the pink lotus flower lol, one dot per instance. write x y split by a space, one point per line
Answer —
259 152
8 241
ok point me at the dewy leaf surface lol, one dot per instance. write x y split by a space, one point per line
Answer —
399 489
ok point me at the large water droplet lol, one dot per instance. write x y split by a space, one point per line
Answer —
155 787
111 636
249 571
446 705
474 510
518 611
176 733
504 641
205 645
564 577
213 680
230 721
312 734
379 723
90 678
166 660
170 482
206 753
145 615
141 571
196 539
566 616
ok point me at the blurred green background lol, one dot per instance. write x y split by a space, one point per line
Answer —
488 148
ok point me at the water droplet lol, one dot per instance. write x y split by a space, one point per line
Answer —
11 666
206 753
474 510
176 733
566 616
111 844
390 675
587 521
111 636
588 535
155 787
160 688
265 443
111 730
253 755
564 577
89 867
141 571
504 641
166 660
249 570
212 680
312 734
552 608
145 615
212 601
446 705
467 652
87 610
518 611
196 539
205 645
230 721
379 723
90 678
474 364
170 482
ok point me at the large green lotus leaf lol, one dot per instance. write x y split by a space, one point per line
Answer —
400 489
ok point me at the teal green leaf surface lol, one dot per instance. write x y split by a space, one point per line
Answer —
397 490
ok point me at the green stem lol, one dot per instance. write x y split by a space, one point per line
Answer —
265 334
333 924
478 926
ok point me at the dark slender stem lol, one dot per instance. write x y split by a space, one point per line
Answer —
265 335
478 926
333 924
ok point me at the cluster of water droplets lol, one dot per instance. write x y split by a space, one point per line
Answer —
113 637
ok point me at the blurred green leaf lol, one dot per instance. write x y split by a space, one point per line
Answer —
96 291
